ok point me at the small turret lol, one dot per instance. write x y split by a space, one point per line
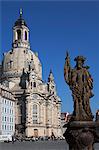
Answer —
51 77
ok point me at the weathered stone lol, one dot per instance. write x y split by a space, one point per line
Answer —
81 131
38 107
81 84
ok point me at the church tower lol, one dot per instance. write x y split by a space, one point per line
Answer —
37 105
20 33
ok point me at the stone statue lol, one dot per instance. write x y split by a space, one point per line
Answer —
81 84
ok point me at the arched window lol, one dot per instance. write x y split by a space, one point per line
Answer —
25 35
18 34
35 114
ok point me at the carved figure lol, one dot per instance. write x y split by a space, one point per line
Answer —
81 84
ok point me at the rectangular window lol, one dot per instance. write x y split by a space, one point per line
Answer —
5 110
5 118
35 119
5 101
34 109
34 84
2 127
5 127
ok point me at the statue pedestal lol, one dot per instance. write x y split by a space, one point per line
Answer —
81 135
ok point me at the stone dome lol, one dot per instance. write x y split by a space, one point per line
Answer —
18 59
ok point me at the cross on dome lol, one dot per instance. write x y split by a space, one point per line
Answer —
21 12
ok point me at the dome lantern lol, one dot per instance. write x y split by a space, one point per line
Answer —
20 33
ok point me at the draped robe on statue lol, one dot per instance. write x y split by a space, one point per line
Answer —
81 84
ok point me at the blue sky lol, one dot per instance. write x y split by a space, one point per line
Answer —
54 28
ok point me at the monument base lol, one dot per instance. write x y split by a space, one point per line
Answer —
81 135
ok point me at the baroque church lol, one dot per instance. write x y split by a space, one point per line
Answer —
37 105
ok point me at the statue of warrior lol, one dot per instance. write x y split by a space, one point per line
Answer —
81 84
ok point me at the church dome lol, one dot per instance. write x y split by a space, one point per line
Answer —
20 58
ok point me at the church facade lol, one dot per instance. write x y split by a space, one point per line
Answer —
37 105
